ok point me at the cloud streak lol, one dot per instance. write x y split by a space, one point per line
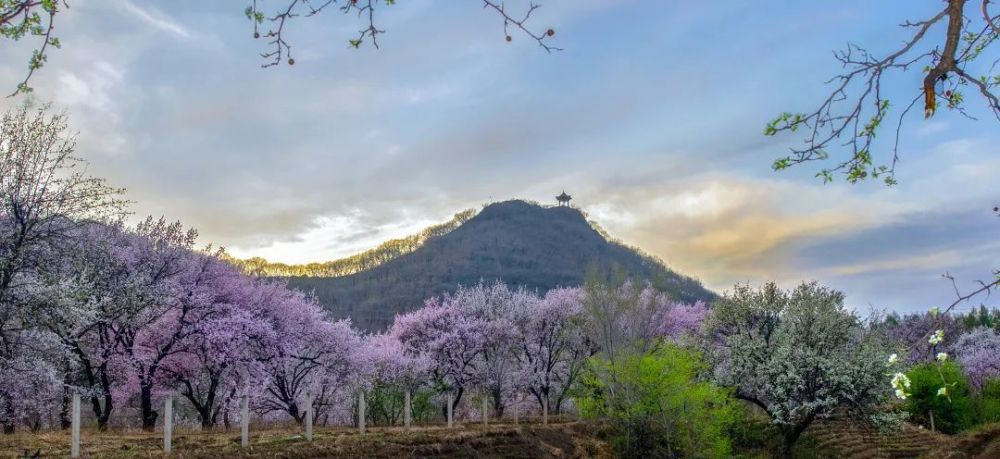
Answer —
156 19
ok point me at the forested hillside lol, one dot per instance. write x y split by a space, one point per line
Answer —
517 242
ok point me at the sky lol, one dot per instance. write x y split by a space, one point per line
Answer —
652 117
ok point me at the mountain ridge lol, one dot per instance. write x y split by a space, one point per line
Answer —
521 243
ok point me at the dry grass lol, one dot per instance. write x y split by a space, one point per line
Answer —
563 440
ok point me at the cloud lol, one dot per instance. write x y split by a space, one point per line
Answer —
938 261
157 19
91 92
655 133
330 238
724 228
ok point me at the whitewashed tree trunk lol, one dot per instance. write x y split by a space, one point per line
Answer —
168 423
406 409
361 412
245 421
309 418
74 449
450 418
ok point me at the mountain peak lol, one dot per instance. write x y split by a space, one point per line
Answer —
517 242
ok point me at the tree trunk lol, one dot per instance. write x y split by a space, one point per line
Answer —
792 436
149 415
497 398
293 411
102 414
207 421
454 403
64 421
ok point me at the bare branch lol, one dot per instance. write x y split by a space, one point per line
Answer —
508 20
990 20
366 12
992 99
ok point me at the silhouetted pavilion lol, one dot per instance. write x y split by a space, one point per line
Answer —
563 199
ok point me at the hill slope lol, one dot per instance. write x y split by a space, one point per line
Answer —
514 241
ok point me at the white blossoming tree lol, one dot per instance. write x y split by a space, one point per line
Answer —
798 355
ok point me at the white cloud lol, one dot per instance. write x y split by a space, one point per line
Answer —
333 237
157 19
90 94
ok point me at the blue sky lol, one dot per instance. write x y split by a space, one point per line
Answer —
652 118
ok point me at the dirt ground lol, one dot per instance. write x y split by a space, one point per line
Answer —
562 440
982 443
843 439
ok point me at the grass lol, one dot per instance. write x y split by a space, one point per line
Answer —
565 439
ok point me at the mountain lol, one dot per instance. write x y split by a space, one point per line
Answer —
515 241
363 261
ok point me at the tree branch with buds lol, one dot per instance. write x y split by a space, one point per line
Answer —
851 116
30 18
271 26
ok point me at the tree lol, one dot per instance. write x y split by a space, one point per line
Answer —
797 354
641 379
45 197
623 319
979 353
391 370
219 337
854 112
451 341
78 303
311 355
29 385
554 348
502 313
164 294
45 193
222 352
909 332
660 405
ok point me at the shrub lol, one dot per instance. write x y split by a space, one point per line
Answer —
657 404
988 402
953 413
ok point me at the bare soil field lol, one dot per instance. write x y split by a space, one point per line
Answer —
561 440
